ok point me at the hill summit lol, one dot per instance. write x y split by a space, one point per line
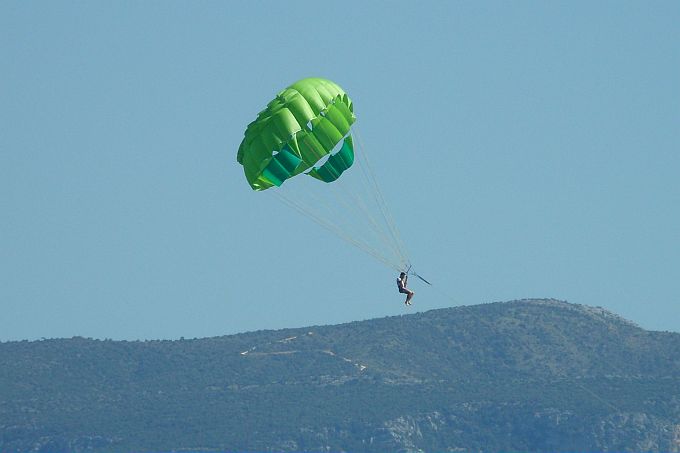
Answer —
529 375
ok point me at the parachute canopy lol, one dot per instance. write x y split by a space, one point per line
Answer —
309 129
297 130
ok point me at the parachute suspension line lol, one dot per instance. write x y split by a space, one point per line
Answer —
370 178
357 204
351 207
373 214
375 228
333 228
387 216
385 230
360 205
326 222
369 174
343 191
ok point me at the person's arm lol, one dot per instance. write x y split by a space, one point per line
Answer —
405 280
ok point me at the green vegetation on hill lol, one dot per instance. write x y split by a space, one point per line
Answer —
534 375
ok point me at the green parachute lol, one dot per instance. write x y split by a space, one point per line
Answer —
309 129
296 131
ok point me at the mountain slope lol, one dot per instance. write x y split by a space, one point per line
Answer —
533 375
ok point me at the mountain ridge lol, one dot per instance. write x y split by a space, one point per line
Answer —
531 375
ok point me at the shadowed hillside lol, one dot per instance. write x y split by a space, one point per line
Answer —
532 375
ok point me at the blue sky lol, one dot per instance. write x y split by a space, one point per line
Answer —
527 149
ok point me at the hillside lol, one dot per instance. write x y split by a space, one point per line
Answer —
531 375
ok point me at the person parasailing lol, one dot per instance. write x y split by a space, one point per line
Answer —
402 281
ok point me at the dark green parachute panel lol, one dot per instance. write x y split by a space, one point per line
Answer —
336 163
301 126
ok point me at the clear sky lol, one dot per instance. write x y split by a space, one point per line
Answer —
527 149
